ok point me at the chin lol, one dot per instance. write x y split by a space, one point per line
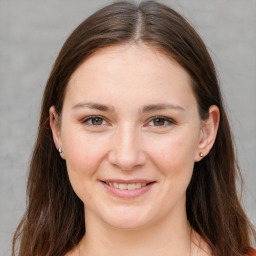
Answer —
127 224
127 219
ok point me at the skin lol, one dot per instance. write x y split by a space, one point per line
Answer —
130 141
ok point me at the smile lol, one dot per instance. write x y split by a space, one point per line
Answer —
130 186
128 189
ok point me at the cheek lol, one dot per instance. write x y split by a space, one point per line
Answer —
174 158
173 150
82 150
83 156
80 154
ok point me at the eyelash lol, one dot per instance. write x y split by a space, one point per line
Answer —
91 118
88 121
167 120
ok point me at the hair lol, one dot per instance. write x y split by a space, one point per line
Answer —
54 220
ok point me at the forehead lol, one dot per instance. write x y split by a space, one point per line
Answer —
130 55
130 72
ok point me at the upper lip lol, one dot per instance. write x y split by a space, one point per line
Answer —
130 181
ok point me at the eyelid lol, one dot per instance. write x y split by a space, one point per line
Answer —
165 118
86 119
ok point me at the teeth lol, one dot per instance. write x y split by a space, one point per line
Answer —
122 186
138 185
131 186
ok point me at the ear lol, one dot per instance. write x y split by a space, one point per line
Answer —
55 127
208 134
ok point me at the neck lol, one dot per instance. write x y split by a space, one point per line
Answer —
168 236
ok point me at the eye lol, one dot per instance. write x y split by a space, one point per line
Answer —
160 121
94 121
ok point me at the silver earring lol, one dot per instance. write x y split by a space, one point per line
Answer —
201 154
60 150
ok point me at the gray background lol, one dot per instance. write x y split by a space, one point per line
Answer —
31 34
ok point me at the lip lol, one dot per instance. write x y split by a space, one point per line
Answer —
128 181
125 193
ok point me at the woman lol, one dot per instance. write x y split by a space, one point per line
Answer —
134 153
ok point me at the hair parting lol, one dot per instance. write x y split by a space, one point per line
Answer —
54 220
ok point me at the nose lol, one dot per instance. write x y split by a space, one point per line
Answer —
126 150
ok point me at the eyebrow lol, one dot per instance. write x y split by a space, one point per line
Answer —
94 105
107 108
154 107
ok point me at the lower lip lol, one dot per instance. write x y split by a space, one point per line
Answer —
125 193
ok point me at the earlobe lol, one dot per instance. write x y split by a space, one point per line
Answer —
55 127
208 133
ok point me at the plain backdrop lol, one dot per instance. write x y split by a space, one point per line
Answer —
31 34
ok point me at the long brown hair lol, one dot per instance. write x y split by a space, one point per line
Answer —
54 221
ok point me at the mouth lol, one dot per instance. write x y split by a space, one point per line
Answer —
127 186
128 189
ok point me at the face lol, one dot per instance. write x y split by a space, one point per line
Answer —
130 134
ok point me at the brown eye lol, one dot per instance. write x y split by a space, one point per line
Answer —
97 121
94 121
159 122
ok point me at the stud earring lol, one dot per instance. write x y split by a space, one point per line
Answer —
60 150
201 154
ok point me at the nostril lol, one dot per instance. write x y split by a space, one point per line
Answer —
126 159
